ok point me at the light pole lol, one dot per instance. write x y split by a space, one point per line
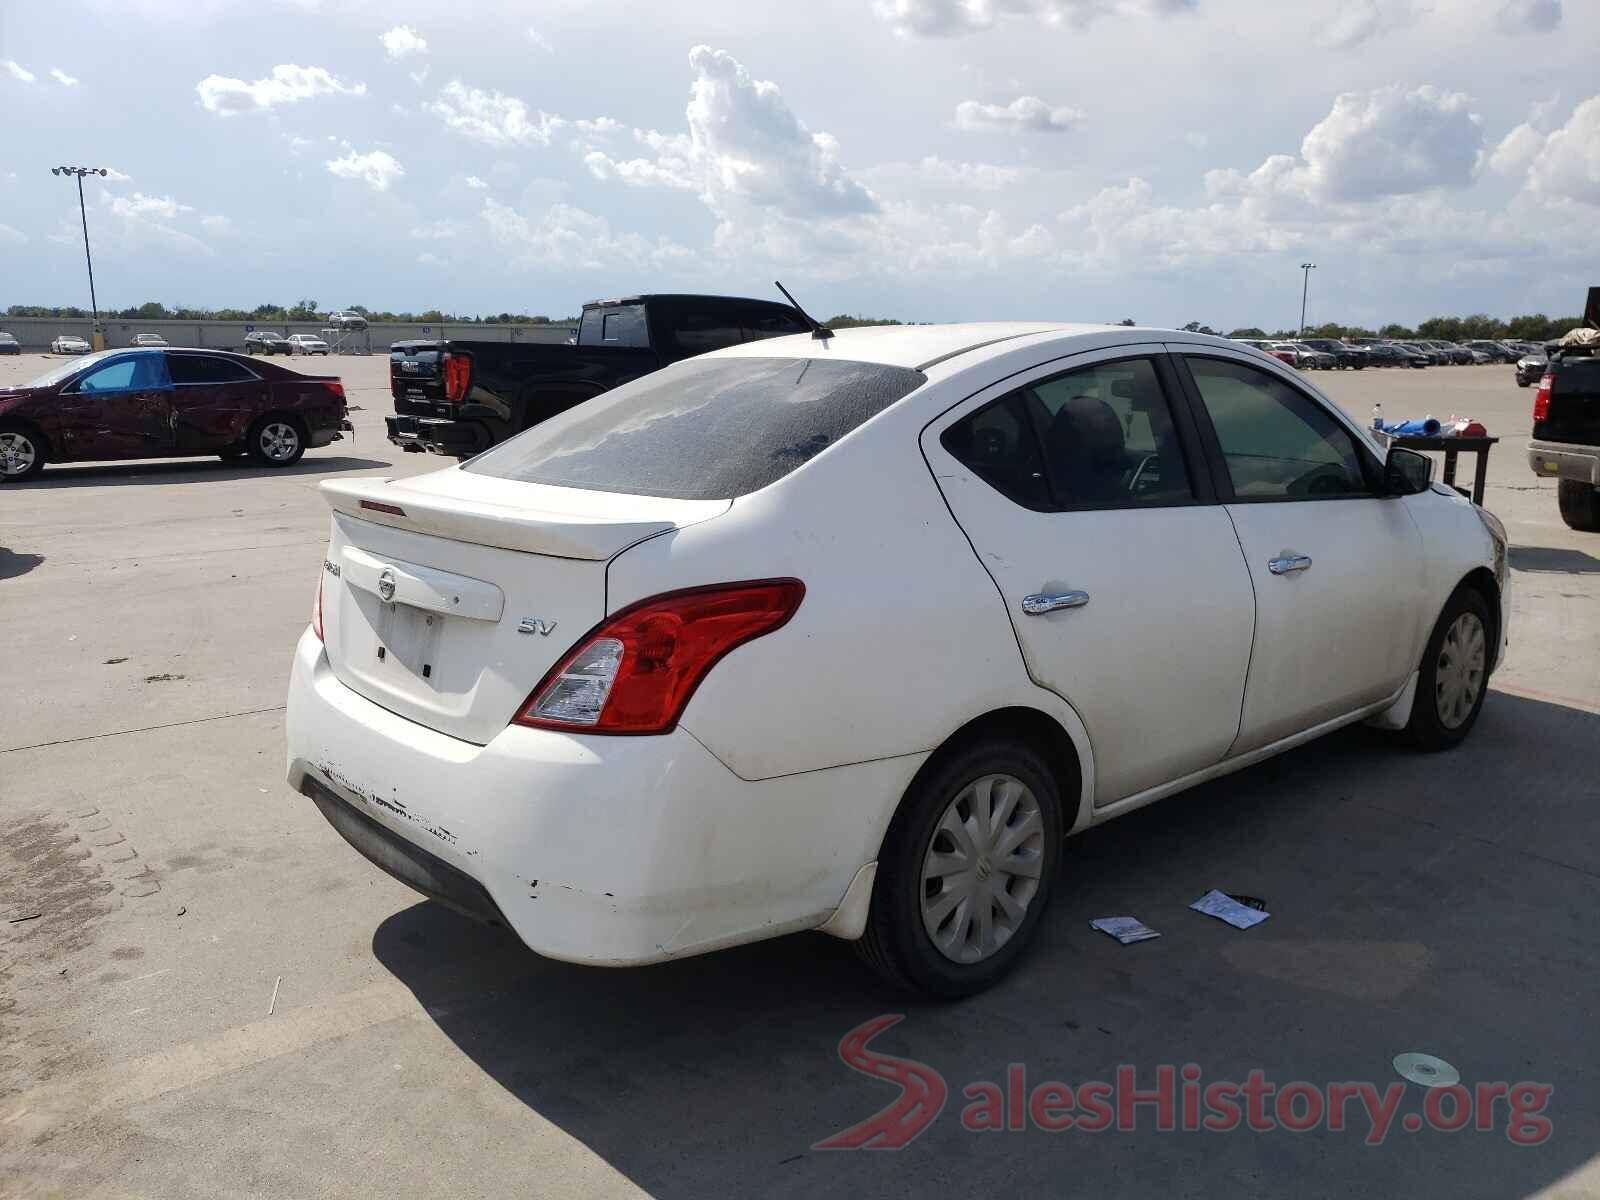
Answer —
1305 287
83 213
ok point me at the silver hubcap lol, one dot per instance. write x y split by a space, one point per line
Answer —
1458 675
16 453
982 868
279 441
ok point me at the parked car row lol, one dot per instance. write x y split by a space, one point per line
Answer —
265 342
1322 354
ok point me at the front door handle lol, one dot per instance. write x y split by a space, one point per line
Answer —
1284 564
1048 602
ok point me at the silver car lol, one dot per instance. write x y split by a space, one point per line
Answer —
306 343
69 343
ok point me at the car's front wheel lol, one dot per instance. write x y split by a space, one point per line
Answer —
276 441
965 870
1454 676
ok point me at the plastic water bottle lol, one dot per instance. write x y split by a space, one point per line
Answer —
1377 417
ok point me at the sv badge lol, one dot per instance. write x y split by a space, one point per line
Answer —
534 625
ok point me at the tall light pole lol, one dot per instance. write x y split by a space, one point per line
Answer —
1305 287
83 213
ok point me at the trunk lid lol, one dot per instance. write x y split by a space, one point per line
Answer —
414 371
448 596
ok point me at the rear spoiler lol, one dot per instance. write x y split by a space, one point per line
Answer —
465 518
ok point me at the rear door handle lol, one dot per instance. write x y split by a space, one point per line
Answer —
1289 562
1048 602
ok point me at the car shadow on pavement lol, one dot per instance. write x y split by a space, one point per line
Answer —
1552 560
13 564
1420 903
192 470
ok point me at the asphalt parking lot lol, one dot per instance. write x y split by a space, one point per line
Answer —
1438 904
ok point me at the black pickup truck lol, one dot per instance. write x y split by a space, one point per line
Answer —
1566 423
459 397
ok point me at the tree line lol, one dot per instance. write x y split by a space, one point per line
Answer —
1532 327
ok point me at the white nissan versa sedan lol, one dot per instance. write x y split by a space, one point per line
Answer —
848 634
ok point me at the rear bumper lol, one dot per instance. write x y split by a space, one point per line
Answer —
441 435
608 851
1563 460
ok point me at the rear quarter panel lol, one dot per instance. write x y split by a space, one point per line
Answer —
310 398
902 637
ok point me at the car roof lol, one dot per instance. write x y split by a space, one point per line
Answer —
690 297
959 346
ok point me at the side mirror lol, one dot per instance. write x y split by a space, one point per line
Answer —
1406 472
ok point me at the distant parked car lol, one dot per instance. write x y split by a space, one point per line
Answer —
1278 351
121 404
305 343
1406 355
149 339
1344 357
1531 367
1495 351
9 344
346 320
263 341
69 343
1380 354
1435 356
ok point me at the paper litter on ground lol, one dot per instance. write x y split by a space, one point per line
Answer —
1226 908
1124 929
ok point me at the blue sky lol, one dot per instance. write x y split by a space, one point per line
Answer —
1166 160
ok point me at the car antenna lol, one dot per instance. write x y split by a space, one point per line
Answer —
818 331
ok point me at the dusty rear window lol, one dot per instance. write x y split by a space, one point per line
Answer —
706 429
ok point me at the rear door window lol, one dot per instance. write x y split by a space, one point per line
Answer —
703 429
698 331
623 325
203 368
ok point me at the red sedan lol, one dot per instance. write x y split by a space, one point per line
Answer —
122 404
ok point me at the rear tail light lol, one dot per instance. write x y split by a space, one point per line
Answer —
316 606
1541 398
337 388
457 373
635 672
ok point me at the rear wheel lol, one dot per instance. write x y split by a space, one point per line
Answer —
22 452
965 871
1580 505
276 440
1454 676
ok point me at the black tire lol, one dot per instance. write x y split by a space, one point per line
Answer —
1580 505
19 442
266 442
1429 729
896 943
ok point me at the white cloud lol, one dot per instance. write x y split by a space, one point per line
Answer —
935 172
11 237
115 176
1386 142
429 259
1567 165
216 223
62 77
539 40
403 41
1025 114
137 222
288 84
17 71
438 230
1516 150
950 18
568 237
745 151
475 183
420 77
140 205
1359 21
492 117
376 168
1529 16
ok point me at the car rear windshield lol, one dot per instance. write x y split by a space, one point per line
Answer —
705 429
